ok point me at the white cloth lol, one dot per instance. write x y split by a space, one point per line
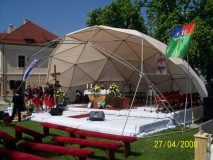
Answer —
103 92
10 110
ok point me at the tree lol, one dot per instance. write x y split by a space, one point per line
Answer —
201 51
120 14
163 16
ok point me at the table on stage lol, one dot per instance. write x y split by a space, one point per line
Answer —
97 97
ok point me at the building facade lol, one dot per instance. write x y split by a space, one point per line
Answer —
18 48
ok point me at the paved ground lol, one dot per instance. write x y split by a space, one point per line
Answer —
3 105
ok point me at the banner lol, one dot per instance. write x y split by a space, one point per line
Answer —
161 64
179 41
29 69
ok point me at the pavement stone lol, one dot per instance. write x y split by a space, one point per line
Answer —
3 105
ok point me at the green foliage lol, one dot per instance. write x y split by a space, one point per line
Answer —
30 105
120 14
95 89
113 100
201 48
114 96
164 16
201 51
60 96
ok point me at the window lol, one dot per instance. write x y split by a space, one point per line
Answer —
29 41
21 61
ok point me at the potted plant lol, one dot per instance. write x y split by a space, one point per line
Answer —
95 89
114 97
30 106
60 97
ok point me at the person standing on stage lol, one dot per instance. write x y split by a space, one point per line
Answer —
18 102
41 97
49 96
79 97
46 96
36 98
28 93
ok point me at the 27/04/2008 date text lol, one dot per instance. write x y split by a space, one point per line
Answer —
175 144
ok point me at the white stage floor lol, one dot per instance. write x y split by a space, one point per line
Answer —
139 123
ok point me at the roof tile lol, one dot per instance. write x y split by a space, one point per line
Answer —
28 31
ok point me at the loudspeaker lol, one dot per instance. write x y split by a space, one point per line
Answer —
209 73
97 116
56 111
208 107
17 84
12 84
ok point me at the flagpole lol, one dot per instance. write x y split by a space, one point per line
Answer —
190 90
187 85
178 47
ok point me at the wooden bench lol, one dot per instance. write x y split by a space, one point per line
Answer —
10 142
20 129
47 125
82 154
16 155
125 139
110 146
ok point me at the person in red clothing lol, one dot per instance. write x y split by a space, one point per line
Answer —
37 98
28 93
46 96
49 96
41 97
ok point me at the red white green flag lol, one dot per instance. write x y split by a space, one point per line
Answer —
179 41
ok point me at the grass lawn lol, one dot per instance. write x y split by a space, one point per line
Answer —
176 146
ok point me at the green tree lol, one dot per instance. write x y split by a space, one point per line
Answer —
120 14
201 51
163 16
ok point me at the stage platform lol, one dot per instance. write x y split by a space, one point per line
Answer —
141 121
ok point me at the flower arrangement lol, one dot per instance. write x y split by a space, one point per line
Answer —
114 96
95 89
113 88
60 96
30 105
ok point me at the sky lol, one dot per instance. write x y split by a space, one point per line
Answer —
57 16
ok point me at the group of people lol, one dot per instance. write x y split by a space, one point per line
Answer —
38 95
42 98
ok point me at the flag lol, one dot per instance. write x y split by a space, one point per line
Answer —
179 41
29 69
